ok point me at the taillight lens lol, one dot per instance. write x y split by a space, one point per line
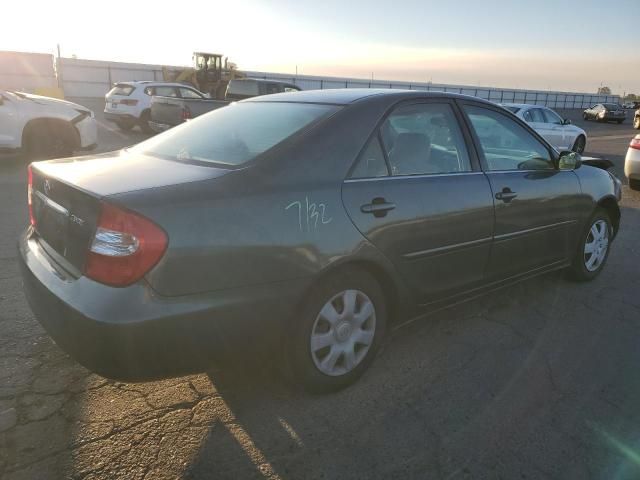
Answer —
635 143
129 101
124 248
186 113
32 218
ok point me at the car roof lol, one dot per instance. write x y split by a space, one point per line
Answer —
155 83
345 96
522 105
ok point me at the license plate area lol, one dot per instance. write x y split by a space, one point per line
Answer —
52 222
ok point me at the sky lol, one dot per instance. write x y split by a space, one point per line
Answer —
569 45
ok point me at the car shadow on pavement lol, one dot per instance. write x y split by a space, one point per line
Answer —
538 380
512 385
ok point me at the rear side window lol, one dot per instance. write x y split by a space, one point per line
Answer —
233 135
122 89
188 93
371 163
424 139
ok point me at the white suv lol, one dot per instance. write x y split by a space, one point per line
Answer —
44 127
129 103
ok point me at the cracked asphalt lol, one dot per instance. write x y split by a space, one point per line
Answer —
537 381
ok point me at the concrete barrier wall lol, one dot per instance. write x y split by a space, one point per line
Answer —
93 79
26 71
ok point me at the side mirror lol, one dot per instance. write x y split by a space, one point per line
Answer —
566 121
569 160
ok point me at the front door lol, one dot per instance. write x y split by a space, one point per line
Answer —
535 203
418 195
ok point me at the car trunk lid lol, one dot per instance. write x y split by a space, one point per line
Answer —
67 195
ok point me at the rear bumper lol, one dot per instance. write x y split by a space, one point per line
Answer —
133 334
632 164
119 117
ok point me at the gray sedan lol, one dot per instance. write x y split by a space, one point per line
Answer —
303 224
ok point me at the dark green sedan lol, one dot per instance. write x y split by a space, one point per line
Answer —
306 223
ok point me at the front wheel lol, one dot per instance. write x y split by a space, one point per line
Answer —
593 249
585 116
338 331
579 145
634 184
636 123
620 122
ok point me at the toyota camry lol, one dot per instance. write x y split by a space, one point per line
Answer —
307 223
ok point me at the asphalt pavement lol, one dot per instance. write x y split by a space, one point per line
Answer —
537 381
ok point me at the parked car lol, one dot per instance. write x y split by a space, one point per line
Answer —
169 111
632 163
629 105
636 120
556 130
305 223
605 112
44 127
129 103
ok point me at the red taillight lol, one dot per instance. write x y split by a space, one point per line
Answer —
129 101
186 113
125 247
635 143
32 218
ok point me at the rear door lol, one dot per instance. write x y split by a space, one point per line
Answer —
417 193
10 122
536 204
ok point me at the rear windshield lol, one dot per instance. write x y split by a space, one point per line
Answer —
122 89
233 135
512 109
611 106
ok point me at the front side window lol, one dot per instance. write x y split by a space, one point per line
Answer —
534 115
505 144
552 117
235 134
188 93
166 92
424 139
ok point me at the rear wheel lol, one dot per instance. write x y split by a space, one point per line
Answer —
338 332
579 144
145 118
593 249
634 184
585 116
620 121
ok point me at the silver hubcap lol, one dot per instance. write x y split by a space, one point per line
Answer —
595 248
343 332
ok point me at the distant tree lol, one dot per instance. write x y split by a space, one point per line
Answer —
632 97
604 91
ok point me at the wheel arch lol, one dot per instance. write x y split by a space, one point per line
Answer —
610 205
389 282
57 125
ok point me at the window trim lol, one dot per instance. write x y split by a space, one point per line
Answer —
478 146
474 159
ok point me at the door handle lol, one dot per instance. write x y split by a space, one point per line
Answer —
506 195
378 207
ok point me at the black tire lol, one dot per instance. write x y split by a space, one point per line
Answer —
634 184
636 123
585 116
125 126
579 144
578 270
620 122
145 118
46 141
301 361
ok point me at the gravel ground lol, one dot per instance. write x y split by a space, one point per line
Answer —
537 381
